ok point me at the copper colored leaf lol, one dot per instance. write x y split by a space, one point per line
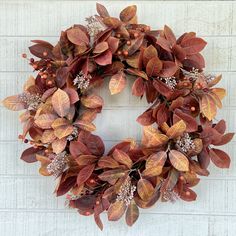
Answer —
134 60
188 195
169 68
128 13
29 155
84 160
163 43
146 118
176 130
208 107
104 59
95 145
138 87
101 10
169 35
13 103
122 158
151 137
59 145
63 131
135 45
219 158
116 210
108 162
92 101
77 36
45 121
85 125
220 92
225 139
138 73
84 174
179 160
100 47
154 66
132 213
148 54
48 136
39 50
193 45
145 189
117 83
111 176
77 148
73 95
112 22
61 103
113 43
154 164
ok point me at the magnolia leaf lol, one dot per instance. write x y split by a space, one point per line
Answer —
225 139
154 66
117 83
146 118
85 125
92 101
112 22
168 69
108 162
59 145
84 174
154 164
101 47
84 160
122 158
176 130
163 43
63 131
48 136
111 176
208 107
148 54
135 45
179 160
77 148
128 13
145 189
151 137
77 36
13 103
45 121
133 60
104 59
61 103
169 35
132 213
137 73
138 87
29 155
193 45
116 210
59 122
219 158
113 44
101 10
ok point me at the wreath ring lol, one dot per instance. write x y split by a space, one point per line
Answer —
178 127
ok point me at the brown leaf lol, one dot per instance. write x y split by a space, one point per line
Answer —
122 158
219 158
132 213
145 189
101 10
13 103
63 131
151 137
176 130
111 176
148 54
101 47
154 164
220 92
29 155
84 160
108 162
48 136
146 118
135 45
112 22
61 103
73 95
117 83
77 148
154 66
225 139
113 44
163 43
59 145
116 210
169 35
85 125
208 107
138 87
77 36
193 45
84 174
45 121
138 73
104 59
95 145
44 163
179 160
92 101
134 60
39 50
128 13
168 69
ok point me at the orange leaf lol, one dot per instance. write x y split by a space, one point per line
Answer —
112 22
151 138
154 66
179 160
132 213
154 164
107 162
111 176
84 174
59 145
61 102
92 101
122 158
48 136
63 131
176 130
117 83
208 107
13 103
100 47
77 36
102 11
138 87
219 158
148 54
85 125
116 210
145 189
220 92
45 121
169 35
128 13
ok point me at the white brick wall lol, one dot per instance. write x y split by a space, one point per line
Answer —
27 205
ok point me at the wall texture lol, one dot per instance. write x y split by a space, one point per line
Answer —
27 206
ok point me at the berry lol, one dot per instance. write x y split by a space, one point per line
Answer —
125 53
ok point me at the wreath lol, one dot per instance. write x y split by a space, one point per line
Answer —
179 131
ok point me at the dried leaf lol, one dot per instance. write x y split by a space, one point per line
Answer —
132 213
101 47
29 155
45 121
128 13
59 145
116 210
85 125
77 36
208 107
108 162
102 11
122 158
219 158
13 103
154 66
111 176
176 130
104 59
169 35
179 160
148 54
168 69
138 87
117 83
84 174
92 101
145 189
193 45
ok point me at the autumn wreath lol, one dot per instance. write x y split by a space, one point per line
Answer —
178 128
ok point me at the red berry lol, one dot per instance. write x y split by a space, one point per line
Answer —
125 53
192 108
24 55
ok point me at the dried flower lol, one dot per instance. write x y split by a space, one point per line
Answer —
126 192
32 101
82 81
58 164
94 26
73 135
185 143
169 81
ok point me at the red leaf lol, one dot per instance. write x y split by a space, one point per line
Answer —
169 35
95 145
77 36
138 87
219 158
102 11
146 118
163 43
122 158
29 155
193 45
40 49
116 210
84 174
169 68
104 58
154 66
77 148
132 213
